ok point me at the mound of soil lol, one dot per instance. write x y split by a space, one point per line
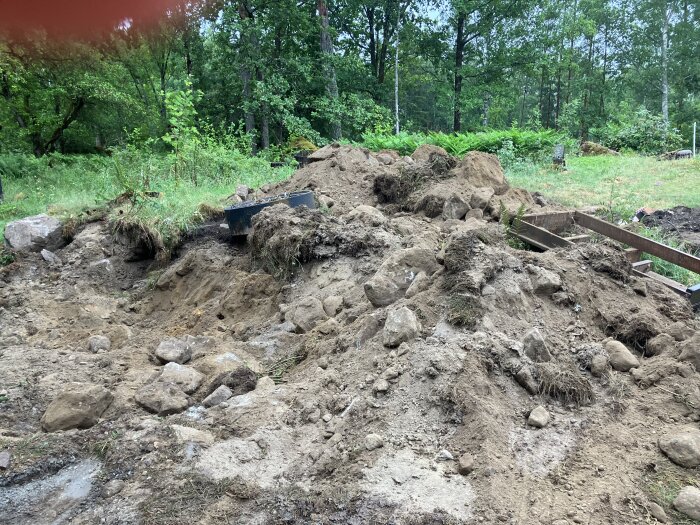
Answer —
593 148
680 222
388 358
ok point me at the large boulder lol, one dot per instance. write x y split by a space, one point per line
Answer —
401 326
33 234
397 273
621 359
80 405
682 448
188 379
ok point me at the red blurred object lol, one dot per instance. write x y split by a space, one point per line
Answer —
78 18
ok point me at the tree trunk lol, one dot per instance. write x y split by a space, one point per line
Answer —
75 109
246 75
372 40
328 67
664 65
396 72
485 110
459 62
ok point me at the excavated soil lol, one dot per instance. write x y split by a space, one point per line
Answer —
384 353
680 222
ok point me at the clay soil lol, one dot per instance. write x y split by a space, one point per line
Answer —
340 425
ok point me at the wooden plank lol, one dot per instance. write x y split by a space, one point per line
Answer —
538 237
642 266
554 222
633 255
578 238
667 253
673 285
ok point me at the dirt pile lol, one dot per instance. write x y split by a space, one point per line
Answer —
593 148
368 362
681 223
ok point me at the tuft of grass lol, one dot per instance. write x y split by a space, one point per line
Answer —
664 485
279 368
464 310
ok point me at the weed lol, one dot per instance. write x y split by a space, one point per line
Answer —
6 256
665 483
566 385
464 310
512 226
279 368
102 447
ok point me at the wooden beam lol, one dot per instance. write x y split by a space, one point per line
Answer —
633 255
667 253
554 222
673 285
538 237
642 266
578 238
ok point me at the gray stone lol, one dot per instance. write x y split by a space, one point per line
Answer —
193 435
5 460
381 386
454 208
368 215
688 502
373 441
397 273
680 331
544 282
660 344
599 365
481 197
690 351
243 191
420 284
534 346
621 359
188 379
50 257
32 234
174 351
658 513
218 396
306 313
682 448
538 418
385 158
475 213
466 464
162 398
401 326
526 380
80 405
99 343
112 488
332 305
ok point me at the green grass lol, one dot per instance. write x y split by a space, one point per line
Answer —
664 486
623 184
68 186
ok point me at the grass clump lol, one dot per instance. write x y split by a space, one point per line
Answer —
566 385
664 484
464 311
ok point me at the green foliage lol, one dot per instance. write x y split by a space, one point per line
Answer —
524 143
639 131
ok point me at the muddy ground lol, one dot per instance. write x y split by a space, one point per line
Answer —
379 360
681 223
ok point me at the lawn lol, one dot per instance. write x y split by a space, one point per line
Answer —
623 184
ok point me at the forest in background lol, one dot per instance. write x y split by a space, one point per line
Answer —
257 73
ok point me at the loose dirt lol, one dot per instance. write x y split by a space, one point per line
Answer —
356 353
681 223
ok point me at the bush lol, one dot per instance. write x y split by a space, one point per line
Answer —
524 143
640 131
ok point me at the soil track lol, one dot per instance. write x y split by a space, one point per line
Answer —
383 355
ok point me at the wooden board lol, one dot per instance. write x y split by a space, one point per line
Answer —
554 222
538 237
643 244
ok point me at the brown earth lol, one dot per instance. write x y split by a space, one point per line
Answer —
384 354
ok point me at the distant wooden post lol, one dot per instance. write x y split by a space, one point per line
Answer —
558 158
695 130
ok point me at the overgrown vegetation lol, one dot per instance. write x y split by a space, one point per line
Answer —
525 143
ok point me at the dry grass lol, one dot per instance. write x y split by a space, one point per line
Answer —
565 385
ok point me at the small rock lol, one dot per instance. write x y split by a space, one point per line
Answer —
682 448
188 379
50 257
535 347
218 396
162 398
526 380
192 435
466 464
680 331
544 282
306 313
476 213
323 362
481 197
373 441
80 405
445 455
454 208
599 365
112 488
488 290
658 513
174 351
381 385
243 191
688 502
401 326
538 418
385 158
326 201
621 359
368 215
659 344
690 351
640 287
419 284
99 343
264 384
5 460
332 305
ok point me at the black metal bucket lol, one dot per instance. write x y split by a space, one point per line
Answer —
239 216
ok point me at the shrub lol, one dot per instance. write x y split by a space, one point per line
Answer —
640 131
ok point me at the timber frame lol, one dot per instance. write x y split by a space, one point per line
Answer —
542 232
